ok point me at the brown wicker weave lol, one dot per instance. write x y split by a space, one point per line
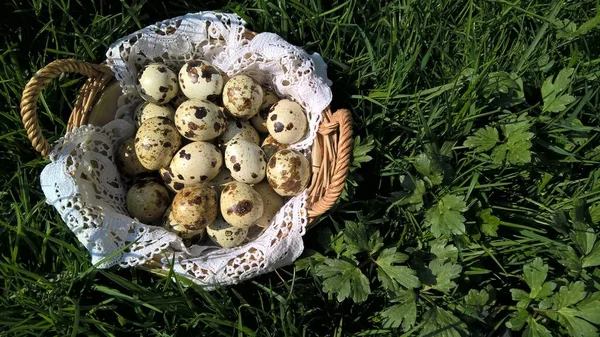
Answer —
331 148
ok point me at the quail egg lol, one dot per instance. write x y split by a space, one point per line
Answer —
200 80
242 97
156 141
147 200
239 131
127 160
157 84
221 180
197 162
272 203
200 120
180 98
196 206
241 205
225 235
288 172
147 110
246 161
170 180
287 122
185 231
259 121
270 146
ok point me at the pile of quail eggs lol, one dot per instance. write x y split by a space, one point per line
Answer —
204 145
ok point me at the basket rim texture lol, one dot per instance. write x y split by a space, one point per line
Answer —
331 148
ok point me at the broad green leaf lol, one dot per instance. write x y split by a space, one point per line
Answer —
593 258
310 262
589 308
414 198
444 273
535 329
535 274
403 314
501 84
576 317
476 301
553 91
391 275
515 147
429 169
575 326
360 151
344 279
521 296
359 239
569 295
568 257
518 320
490 223
583 237
442 250
441 323
445 218
483 140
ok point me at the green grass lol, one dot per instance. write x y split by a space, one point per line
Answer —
472 206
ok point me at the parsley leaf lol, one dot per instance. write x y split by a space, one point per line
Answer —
535 274
391 275
515 149
358 239
593 258
476 302
535 329
490 222
446 217
440 274
576 319
344 279
402 314
483 140
442 250
429 169
439 322
360 151
414 200
555 100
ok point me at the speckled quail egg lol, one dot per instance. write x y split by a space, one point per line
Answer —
287 122
147 110
147 200
272 203
185 231
242 97
240 131
246 161
195 163
200 80
200 120
127 160
170 180
156 141
225 235
224 177
196 206
157 84
241 205
288 172
180 98
259 121
270 146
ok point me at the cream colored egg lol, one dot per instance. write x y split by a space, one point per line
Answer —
241 205
197 162
157 84
200 120
170 180
196 206
288 172
270 146
237 130
200 80
147 110
287 122
272 203
147 200
127 160
156 141
184 231
225 235
259 121
242 97
246 161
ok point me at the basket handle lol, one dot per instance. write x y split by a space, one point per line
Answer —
98 75
340 120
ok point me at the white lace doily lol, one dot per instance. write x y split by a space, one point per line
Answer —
83 184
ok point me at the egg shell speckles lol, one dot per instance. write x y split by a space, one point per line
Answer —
127 161
225 235
156 141
287 122
259 121
147 200
196 206
242 97
147 110
241 205
270 146
288 172
272 203
237 130
185 231
157 84
200 80
200 120
170 180
246 161
197 162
